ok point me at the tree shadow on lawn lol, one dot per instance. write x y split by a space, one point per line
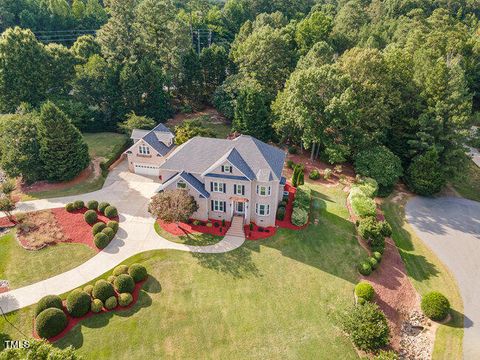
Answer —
419 268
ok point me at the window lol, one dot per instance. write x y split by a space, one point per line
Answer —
218 206
227 168
262 209
181 185
144 150
264 190
218 187
239 189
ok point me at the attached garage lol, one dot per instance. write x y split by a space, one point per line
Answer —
147 169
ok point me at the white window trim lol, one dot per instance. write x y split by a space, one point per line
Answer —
268 190
237 186
266 209
144 150
229 167
219 206
218 187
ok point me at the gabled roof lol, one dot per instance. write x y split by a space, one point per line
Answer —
162 128
138 133
251 156
235 159
191 180
150 137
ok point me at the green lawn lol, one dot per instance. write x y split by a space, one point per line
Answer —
220 129
22 267
469 185
105 145
428 273
189 239
271 299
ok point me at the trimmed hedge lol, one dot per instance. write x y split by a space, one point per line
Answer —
92 205
79 204
299 216
50 322
101 240
88 289
112 224
314 174
90 217
125 299
78 303
435 306
96 306
111 279
281 213
124 283
47 302
109 232
98 227
70 207
137 272
102 206
120 269
373 262
302 198
103 290
110 212
362 205
111 303
364 290
365 268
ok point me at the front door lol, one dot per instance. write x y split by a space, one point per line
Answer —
240 208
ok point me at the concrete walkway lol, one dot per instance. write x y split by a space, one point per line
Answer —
130 193
451 228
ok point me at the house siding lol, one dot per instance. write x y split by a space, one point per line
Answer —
202 212
136 158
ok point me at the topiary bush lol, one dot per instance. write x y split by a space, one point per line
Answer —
112 224
299 217
137 272
101 240
281 213
365 268
125 299
111 279
377 256
90 217
362 206
120 269
47 302
88 289
314 174
96 305
102 206
50 322
373 262
79 204
364 290
92 205
103 290
111 212
109 232
435 306
70 207
111 303
98 227
367 326
78 303
124 283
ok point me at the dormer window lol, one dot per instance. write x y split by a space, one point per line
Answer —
227 168
144 150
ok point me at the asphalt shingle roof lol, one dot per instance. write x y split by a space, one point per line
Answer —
197 184
152 140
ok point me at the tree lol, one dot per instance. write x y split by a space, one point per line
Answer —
380 164
190 82
214 61
63 151
136 122
190 129
78 10
425 175
95 14
320 54
173 206
314 28
8 186
61 69
84 47
39 350
7 206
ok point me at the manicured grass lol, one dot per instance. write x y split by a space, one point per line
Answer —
104 145
270 299
190 239
220 129
428 273
22 267
468 185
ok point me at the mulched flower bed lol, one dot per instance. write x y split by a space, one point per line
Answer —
72 321
184 229
5 223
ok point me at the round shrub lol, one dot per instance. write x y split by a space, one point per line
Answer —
70 207
386 229
112 224
109 232
78 303
370 229
102 206
103 290
377 256
111 303
124 284
50 322
364 290
110 212
314 174
373 262
125 299
97 305
79 204
137 272
101 240
120 269
47 302
88 289
90 217
111 279
92 205
435 306
98 227
365 268
281 213
299 216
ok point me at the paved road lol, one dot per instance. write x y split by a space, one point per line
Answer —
130 193
451 227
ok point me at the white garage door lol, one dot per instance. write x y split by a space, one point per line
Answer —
147 169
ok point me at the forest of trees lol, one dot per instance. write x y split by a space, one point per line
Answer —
393 81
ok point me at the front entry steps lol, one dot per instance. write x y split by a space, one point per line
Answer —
236 229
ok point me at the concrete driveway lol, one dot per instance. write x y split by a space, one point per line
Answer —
451 227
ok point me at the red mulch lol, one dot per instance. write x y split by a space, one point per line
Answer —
259 233
72 322
184 229
4 222
3 289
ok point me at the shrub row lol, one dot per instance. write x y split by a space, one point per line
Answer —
361 197
93 206
103 234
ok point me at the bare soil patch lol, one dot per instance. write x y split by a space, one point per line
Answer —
39 229
214 115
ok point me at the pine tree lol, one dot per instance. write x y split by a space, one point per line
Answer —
295 176
63 151
300 176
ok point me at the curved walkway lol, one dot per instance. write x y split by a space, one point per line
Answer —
451 228
130 193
